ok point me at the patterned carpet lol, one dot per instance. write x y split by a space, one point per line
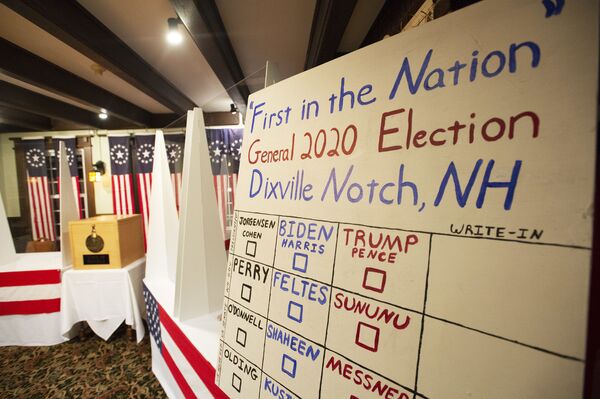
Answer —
88 368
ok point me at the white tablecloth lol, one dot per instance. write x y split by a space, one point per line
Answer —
104 299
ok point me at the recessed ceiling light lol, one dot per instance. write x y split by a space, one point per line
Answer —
103 115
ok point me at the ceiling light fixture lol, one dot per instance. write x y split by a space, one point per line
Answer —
233 109
98 69
173 35
103 114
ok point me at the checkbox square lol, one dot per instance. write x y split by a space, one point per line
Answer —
236 382
251 248
295 311
374 279
300 262
246 293
240 337
367 337
288 366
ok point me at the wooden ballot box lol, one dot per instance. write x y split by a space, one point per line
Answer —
106 242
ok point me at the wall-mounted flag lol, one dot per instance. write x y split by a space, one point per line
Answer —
122 185
224 147
42 220
175 144
144 155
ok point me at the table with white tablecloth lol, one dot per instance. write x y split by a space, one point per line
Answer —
104 299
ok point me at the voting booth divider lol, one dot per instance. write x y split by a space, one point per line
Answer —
69 210
185 271
30 283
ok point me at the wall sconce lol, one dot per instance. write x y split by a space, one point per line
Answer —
173 35
98 169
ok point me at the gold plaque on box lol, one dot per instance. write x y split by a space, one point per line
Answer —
106 242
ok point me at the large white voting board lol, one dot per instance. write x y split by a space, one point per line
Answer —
414 219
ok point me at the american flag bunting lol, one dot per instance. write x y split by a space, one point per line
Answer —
193 374
30 292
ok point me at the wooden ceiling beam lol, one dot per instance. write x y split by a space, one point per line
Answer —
203 22
28 67
24 120
16 97
71 23
329 23
6 128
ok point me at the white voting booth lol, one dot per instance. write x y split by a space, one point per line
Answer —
185 271
199 247
68 207
413 220
30 282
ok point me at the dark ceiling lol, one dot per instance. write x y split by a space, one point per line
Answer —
47 46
